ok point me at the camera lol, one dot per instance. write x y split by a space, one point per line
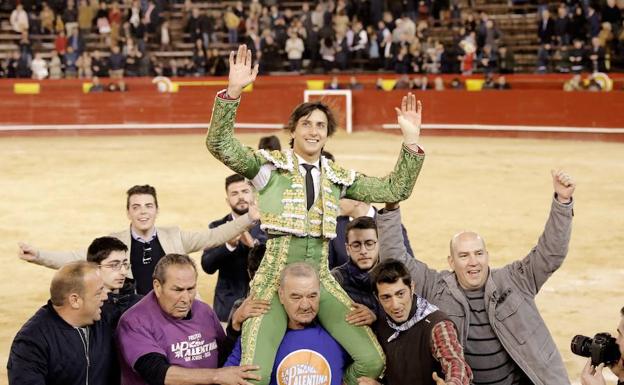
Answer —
602 348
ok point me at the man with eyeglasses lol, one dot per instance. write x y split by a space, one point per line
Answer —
146 242
111 255
349 210
363 251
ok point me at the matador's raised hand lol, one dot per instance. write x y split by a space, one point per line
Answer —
409 118
241 72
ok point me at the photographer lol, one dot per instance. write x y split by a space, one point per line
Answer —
593 375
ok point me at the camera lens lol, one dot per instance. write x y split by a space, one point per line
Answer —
581 346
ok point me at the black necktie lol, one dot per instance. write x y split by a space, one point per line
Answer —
309 185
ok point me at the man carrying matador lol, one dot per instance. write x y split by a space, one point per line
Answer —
298 193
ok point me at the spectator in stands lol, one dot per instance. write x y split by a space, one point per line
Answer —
269 57
84 66
164 37
46 17
19 19
333 84
306 343
216 65
488 82
359 45
134 16
506 61
39 67
578 25
456 84
605 38
611 14
70 17
596 56
86 14
131 67
545 28
544 59
409 327
354 84
97 87
232 22
438 84
199 58
58 24
56 66
71 63
99 64
593 21
328 54
155 336
294 50
102 21
492 35
501 84
117 62
230 259
578 57
151 18
76 41
115 19
60 43
562 25
561 59
403 83
50 347
13 64
487 59
402 61
467 56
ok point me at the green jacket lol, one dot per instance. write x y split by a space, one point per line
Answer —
282 201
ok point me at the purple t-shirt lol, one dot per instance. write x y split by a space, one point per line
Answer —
145 328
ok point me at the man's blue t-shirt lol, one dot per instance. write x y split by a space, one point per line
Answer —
305 356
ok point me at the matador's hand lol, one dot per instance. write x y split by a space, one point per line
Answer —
409 118
241 72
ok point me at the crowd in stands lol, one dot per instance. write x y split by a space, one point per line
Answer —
137 37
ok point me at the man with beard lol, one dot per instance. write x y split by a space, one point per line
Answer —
230 259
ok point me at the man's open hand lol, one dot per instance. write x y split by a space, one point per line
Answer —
409 118
241 72
249 308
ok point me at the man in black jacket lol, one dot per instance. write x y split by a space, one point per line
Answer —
230 259
67 341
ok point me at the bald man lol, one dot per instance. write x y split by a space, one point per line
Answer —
67 341
504 336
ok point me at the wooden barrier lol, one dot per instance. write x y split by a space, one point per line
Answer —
589 115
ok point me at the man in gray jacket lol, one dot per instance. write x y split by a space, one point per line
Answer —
504 336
